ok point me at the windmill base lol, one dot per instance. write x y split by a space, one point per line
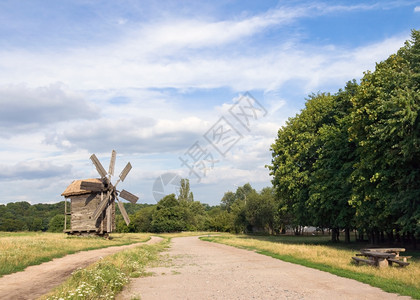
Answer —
88 232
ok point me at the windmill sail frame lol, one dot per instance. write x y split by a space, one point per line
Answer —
92 205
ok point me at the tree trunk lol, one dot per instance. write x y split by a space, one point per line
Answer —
347 236
390 237
382 237
361 235
397 237
376 237
335 235
404 239
371 237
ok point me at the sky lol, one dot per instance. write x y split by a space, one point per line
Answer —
180 89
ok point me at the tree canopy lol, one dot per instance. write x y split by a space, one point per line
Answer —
352 160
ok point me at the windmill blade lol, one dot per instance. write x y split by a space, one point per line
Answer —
123 212
91 186
98 165
129 196
125 171
101 207
112 163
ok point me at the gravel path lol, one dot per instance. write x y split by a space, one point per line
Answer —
36 281
204 270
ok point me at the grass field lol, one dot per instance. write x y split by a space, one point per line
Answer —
20 250
317 252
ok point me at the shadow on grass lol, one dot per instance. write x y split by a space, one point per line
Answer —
323 240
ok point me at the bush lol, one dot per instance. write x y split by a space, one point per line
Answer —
56 224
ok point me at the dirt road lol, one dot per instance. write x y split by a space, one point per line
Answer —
203 270
36 281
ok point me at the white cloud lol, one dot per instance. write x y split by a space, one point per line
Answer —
417 9
41 190
133 135
235 175
178 34
26 109
32 170
184 53
267 70
342 65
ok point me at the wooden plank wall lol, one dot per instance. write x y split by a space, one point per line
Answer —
82 208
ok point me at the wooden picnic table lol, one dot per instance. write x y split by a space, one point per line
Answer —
386 250
382 257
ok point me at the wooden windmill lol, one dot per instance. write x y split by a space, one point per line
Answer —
92 201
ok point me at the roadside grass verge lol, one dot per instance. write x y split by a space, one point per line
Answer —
20 250
107 277
325 256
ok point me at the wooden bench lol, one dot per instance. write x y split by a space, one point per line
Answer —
401 263
404 258
367 261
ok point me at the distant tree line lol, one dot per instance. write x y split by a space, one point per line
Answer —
245 210
22 216
352 160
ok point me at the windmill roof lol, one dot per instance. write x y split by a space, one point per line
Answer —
74 188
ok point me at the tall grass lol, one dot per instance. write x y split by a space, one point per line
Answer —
20 250
104 279
333 259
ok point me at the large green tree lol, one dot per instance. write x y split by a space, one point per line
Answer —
353 159
330 189
386 128
294 153
169 215
227 200
219 219
185 193
260 211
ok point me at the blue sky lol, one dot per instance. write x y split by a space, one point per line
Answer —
151 79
